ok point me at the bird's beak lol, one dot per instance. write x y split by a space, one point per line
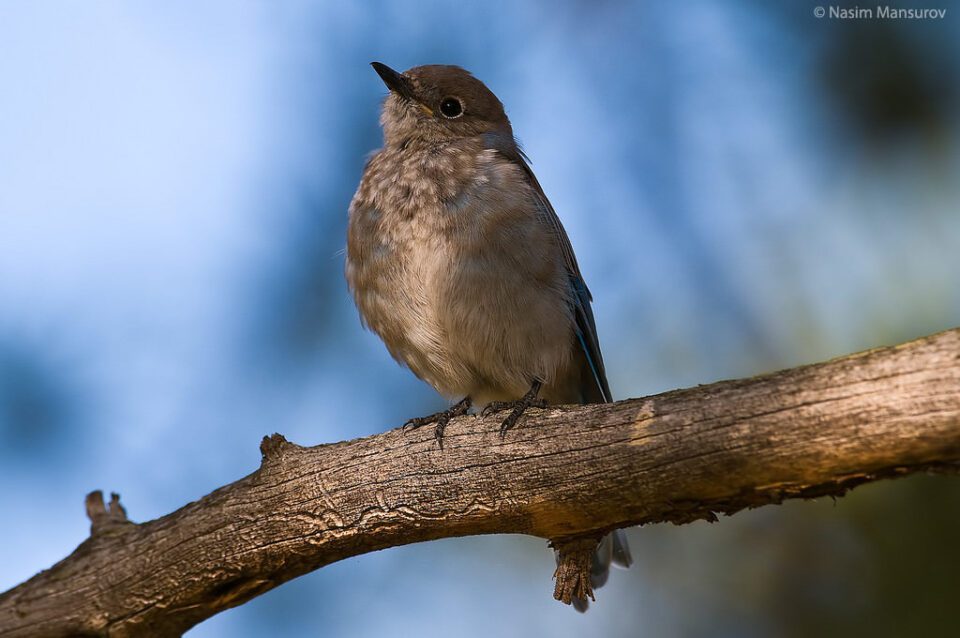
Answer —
394 81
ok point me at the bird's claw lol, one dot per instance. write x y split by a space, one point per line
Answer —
501 406
440 419
496 406
517 408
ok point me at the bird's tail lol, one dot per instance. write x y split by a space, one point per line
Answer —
612 550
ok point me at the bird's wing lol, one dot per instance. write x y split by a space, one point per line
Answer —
580 294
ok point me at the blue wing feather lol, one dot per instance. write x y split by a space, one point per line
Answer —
587 334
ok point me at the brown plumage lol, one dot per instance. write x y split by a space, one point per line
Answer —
455 256
457 260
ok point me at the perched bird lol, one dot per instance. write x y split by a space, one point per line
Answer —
457 260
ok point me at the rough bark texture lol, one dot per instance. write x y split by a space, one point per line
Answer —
565 473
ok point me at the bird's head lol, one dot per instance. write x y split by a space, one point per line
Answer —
436 103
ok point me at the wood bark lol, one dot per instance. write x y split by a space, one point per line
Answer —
567 473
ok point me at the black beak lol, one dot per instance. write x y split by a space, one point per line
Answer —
394 81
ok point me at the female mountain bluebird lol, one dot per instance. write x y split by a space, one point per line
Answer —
457 260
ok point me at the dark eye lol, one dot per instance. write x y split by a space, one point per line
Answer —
451 107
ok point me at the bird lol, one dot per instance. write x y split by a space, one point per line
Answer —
457 260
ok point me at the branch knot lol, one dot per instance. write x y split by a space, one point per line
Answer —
103 517
574 560
273 446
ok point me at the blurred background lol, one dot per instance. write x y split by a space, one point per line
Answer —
748 188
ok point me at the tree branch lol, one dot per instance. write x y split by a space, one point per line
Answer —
566 473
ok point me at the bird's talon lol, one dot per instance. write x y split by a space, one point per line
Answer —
519 407
495 406
417 422
511 420
438 431
441 419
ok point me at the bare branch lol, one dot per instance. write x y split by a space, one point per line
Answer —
567 473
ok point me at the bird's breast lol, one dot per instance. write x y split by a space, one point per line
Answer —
455 270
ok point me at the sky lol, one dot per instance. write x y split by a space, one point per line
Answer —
747 188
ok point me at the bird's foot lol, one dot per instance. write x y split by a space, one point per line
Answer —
440 419
517 408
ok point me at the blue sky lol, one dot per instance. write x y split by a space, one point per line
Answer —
173 188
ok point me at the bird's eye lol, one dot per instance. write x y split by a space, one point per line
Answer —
451 108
